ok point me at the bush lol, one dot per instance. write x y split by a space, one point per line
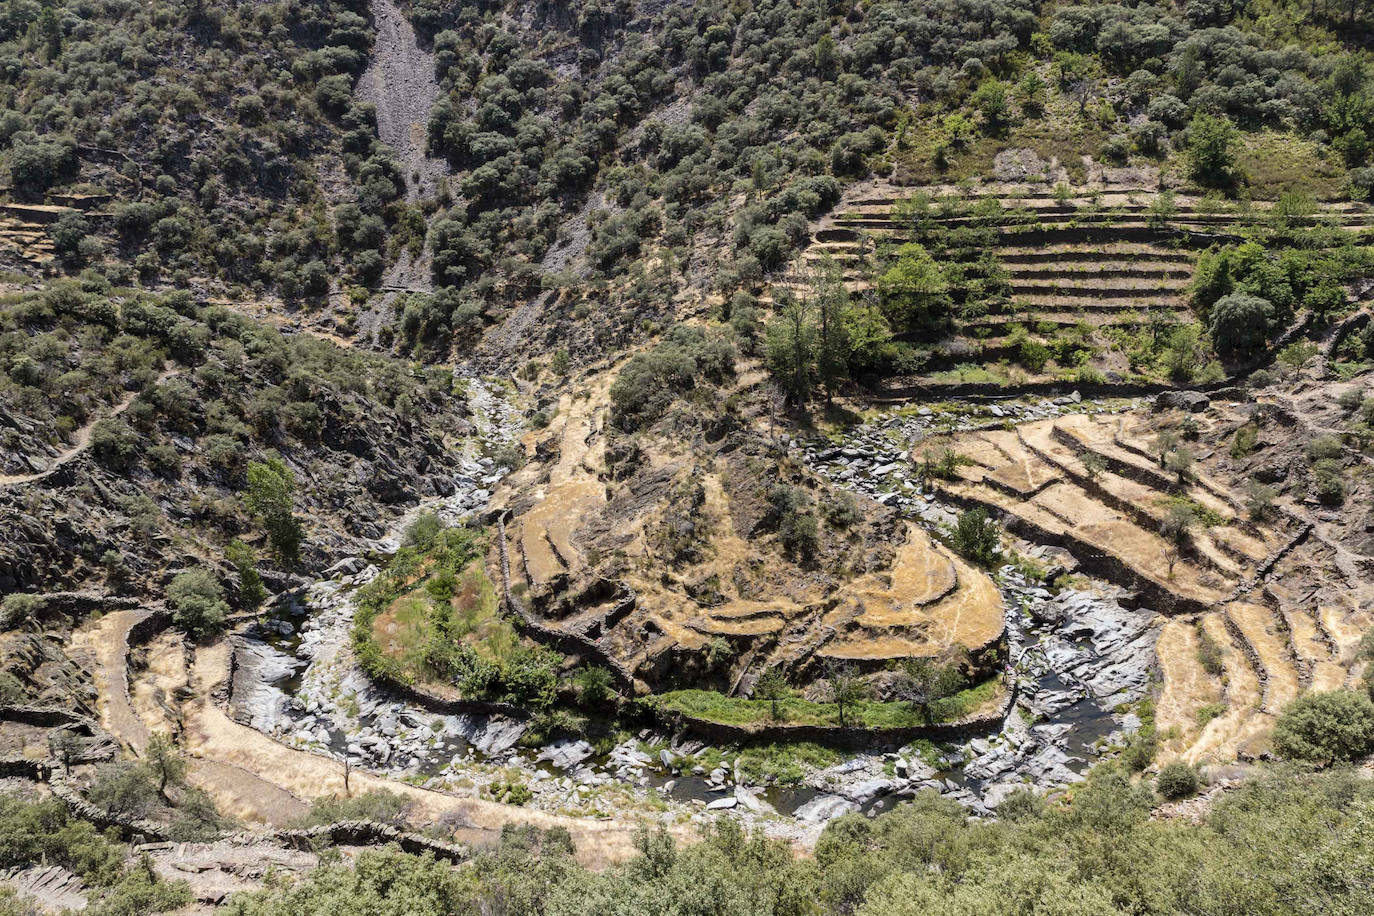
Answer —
1211 153
37 165
1328 481
380 806
1176 780
651 382
17 608
1326 727
197 603
114 443
1240 323
976 536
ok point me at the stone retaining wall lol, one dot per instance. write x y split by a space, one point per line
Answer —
562 640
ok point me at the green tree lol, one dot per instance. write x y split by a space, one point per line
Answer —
270 499
167 766
251 591
1240 323
926 681
792 346
846 690
593 686
830 306
975 536
913 292
1210 156
772 686
197 602
992 98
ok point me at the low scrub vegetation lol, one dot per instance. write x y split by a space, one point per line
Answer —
1281 844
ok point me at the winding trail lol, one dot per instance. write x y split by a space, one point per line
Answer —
256 778
83 436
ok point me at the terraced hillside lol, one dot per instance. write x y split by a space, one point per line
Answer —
1260 599
1077 284
672 575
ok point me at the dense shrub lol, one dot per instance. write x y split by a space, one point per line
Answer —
1240 323
650 382
1176 780
197 601
1326 727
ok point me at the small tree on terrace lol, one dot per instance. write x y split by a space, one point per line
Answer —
830 302
791 355
926 681
846 689
913 293
976 536
1175 528
167 766
772 686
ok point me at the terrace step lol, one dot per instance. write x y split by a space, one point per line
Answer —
1243 697
1260 636
1187 687
1087 288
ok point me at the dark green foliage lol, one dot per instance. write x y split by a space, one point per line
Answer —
244 560
976 536
595 687
1211 151
197 602
1240 323
270 499
650 382
37 164
114 443
792 514
1176 780
1326 727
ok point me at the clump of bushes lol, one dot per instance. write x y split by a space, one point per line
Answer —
198 605
650 382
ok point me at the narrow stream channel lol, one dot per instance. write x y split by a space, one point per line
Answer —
1080 659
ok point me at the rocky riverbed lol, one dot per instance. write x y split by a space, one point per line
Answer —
1079 658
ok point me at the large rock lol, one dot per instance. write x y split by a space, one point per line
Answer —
567 753
1191 401
824 808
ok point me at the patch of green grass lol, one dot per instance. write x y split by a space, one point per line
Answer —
785 762
968 372
716 707
1209 712
1275 163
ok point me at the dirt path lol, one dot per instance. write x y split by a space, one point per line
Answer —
255 778
83 437
401 83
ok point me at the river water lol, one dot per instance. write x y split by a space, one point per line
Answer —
1080 659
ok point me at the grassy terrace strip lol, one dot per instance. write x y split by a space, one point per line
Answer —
716 707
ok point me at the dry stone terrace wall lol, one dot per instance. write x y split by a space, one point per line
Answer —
1104 261
1280 604
586 569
